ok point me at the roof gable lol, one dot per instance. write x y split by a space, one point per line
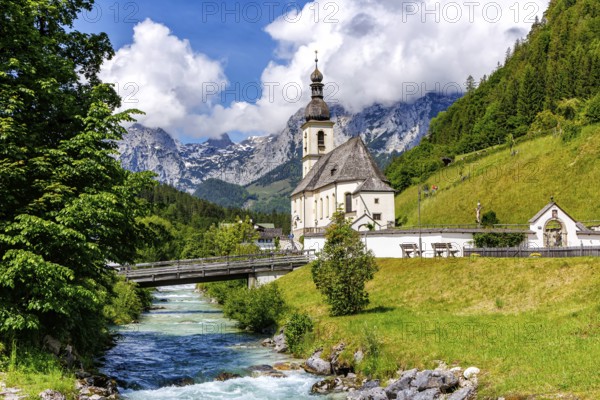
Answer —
548 206
349 162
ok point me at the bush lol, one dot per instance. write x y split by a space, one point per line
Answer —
592 112
489 219
570 131
498 239
128 303
220 291
297 326
256 309
343 268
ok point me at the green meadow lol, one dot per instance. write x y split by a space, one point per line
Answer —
531 325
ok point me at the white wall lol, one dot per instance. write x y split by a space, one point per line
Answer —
388 244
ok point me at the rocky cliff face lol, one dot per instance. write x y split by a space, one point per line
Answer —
385 129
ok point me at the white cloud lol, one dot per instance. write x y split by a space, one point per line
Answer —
161 75
369 51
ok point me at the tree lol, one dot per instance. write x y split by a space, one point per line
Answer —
470 84
489 219
67 205
343 268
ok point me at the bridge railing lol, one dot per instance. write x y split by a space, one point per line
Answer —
219 262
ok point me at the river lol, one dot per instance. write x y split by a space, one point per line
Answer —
186 340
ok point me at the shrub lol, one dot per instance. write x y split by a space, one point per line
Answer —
489 219
128 303
497 239
220 291
297 326
256 309
343 268
592 111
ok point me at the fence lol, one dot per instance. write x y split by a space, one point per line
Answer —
552 252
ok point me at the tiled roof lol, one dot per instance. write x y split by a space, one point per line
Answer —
349 162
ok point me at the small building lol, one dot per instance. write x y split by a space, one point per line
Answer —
554 227
267 235
344 178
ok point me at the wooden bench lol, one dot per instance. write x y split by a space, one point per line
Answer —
440 248
408 249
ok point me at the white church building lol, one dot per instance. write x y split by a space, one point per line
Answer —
344 177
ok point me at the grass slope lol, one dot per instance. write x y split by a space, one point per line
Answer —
531 325
515 187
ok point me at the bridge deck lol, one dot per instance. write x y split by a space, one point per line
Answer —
212 269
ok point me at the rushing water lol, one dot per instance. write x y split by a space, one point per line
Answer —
187 341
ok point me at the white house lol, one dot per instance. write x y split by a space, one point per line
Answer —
345 177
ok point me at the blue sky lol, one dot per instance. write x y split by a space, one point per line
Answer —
202 68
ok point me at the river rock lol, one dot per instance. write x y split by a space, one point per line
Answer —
401 384
268 342
334 385
406 394
435 379
465 393
316 365
266 370
225 376
49 394
368 394
429 394
287 366
280 343
470 372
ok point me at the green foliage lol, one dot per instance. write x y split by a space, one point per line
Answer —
223 193
33 371
557 64
343 268
128 303
235 238
489 219
67 205
296 328
592 111
220 291
498 239
256 309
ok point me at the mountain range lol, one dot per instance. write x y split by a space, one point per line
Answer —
387 130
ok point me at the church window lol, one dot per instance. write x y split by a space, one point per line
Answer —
376 201
321 140
321 208
348 202
376 217
327 206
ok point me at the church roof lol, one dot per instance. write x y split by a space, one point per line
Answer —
349 162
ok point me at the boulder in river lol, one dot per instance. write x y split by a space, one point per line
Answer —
368 394
225 376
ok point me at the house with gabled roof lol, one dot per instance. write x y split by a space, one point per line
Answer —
554 227
345 177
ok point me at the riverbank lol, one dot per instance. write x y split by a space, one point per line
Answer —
183 346
532 326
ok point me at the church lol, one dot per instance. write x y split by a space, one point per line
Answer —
345 177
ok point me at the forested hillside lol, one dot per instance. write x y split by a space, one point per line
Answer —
178 223
546 86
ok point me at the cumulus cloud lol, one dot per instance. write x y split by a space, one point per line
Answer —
369 51
161 75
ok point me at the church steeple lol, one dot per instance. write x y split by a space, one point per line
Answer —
317 109
318 129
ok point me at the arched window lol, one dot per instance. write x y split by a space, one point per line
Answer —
321 208
348 202
321 140
315 210
327 206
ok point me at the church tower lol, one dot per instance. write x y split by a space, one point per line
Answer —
317 131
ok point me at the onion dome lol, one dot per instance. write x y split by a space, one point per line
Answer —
317 109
